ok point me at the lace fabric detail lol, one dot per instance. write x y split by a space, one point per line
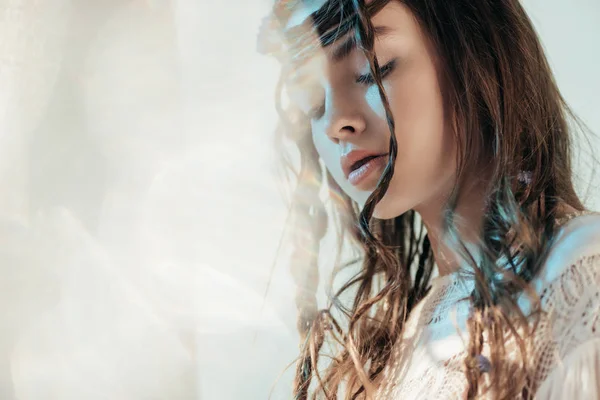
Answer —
427 359
450 296
427 362
572 303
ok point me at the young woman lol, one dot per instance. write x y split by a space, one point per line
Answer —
441 117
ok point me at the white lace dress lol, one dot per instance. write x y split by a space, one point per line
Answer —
428 360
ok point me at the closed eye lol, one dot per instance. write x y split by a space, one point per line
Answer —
367 79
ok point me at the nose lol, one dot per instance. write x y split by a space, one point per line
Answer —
346 120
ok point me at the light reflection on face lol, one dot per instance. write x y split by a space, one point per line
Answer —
347 113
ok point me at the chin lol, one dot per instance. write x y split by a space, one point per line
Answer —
385 210
390 206
384 214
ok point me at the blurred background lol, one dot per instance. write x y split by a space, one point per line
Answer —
140 214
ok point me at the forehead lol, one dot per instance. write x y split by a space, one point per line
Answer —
313 31
393 13
316 28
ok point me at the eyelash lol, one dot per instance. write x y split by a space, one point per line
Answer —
366 79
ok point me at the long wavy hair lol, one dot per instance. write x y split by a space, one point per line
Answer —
508 111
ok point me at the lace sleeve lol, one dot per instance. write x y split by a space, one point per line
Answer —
569 363
576 377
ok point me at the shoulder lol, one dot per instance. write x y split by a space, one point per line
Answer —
575 246
572 267
568 338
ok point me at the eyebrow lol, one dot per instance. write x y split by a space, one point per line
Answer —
344 49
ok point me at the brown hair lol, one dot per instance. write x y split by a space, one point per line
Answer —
508 111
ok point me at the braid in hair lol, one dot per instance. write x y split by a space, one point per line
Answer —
309 218
310 223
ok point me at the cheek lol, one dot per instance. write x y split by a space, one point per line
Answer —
329 153
418 109
426 150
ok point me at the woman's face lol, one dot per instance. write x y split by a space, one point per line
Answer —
347 113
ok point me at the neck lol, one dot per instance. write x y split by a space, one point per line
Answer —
469 213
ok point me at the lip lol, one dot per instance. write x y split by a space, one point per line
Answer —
348 160
360 177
